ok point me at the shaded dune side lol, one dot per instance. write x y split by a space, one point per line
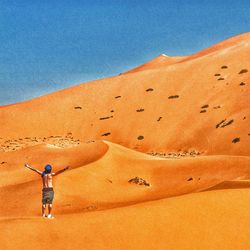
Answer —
105 183
13 171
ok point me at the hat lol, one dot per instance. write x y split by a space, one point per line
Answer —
47 168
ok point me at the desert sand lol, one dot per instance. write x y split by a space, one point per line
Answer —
159 158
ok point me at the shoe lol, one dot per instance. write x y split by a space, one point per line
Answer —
50 216
44 215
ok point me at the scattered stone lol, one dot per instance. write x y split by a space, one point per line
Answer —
139 181
57 140
243 71
185 153
237 139
90 141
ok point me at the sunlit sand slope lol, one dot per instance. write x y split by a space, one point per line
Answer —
208 221
201 103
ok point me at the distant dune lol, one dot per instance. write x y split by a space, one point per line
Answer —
160 156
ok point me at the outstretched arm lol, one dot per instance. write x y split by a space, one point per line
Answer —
33 169
61 171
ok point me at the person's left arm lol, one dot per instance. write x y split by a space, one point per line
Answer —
60 171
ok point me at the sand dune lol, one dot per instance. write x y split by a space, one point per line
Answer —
158 62
159 155
109 108
105 183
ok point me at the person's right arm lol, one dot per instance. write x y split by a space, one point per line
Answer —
33 169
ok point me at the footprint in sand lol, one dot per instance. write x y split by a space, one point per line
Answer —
139 110
173 97
106 134
235 140
109 180
140 137
205 106
243 71
107 117
223 123
217 107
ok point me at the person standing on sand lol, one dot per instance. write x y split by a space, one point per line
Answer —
48 192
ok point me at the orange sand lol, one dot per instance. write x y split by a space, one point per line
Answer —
194 197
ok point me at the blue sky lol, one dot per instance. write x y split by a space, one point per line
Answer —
49 45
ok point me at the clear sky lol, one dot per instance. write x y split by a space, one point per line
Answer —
47 45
